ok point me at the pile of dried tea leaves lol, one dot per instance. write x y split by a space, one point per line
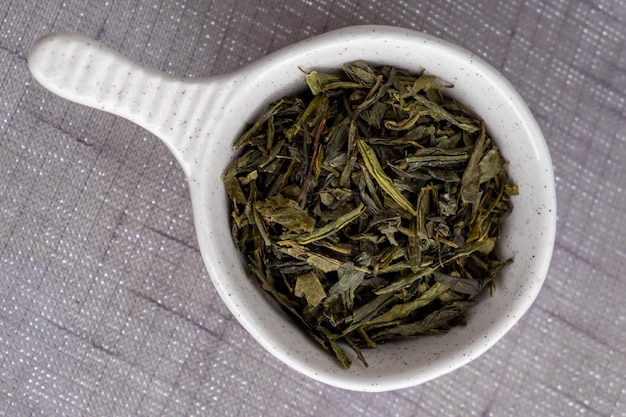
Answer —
369 206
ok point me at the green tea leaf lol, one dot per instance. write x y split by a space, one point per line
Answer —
470 183
318 80
439 113
490 165
361 73
286 212
383 180
328 229
400 311
349 279
369 207
462 285
438 321
310 287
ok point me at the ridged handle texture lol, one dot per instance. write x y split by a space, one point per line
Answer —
87 72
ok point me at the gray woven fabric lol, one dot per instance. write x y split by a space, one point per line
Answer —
105 306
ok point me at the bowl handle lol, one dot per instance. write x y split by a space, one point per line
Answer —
87 72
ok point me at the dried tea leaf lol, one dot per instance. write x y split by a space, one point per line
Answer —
316 260
426 82
400 311
439 113
234 191
470 183
310 287
328 229
349 279
286 212
467 286
361 73
369 207
490 165
436 322
383 180
318 80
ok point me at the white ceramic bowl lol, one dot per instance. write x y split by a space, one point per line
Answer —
200 118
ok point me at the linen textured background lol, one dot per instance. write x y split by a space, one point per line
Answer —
105 306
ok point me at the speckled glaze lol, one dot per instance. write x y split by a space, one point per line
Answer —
199 119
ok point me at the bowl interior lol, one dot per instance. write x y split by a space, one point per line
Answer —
528 232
